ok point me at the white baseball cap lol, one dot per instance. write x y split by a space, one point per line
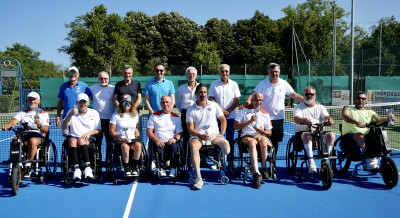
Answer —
73 68
33 95
82 96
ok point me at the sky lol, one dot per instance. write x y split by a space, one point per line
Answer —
40 24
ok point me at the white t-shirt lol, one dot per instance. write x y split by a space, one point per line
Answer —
164 126
224 94
84 123
315 114
186 97
263 120
274 97
28 116
103 100
125 126
203 117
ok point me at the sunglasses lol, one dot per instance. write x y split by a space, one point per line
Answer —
126 103
309 94
359 98
72 73
103 78
157 70
224 71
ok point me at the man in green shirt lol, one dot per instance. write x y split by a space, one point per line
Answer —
355 119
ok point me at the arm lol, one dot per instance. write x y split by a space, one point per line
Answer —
346 118
147 103
138 101
59 108
116 102
329 120
223 124
173 100
193 132
67 120
248 101
153 137
212 99
10 124
297 97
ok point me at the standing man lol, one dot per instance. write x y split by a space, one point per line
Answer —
225 92
274 91
156 88
102 102
203 114
186 98
69 92
128 86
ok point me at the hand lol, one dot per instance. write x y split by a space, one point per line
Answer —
306 121
226 113
58 122
37 122
393 118
204 137
253 118
259 130
6 126
159 143
74 110
330 122
171 141
360 125
85 136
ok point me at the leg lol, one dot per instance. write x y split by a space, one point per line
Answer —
230 132
306 138
33 144
125 154
330 139
160 152
360 139
223 144
264 144
84 144
195 146
252 143
277 134
172 150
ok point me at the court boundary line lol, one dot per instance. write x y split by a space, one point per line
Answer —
6 139
130 200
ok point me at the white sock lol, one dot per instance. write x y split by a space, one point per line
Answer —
28 164
330 148
309 152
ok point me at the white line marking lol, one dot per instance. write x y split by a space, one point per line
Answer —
287 133
130 200
6 139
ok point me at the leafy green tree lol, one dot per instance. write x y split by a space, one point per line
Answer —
206 54
99 41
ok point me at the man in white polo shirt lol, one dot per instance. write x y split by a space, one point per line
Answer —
82 124
164 128
225 92
201 120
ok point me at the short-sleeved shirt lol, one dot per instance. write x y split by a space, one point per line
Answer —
186 97
263 120
274 97
125 126
224 93
28 116
315 114
133 89
81 124
363 116
202 117
155 90
69 94
103 100
165 126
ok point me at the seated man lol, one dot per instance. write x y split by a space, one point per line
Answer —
307 113
355 119
83 124
38 120
201 120
165 129
256 126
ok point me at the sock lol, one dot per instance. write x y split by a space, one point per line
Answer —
308 148
330 148
85 150
28 165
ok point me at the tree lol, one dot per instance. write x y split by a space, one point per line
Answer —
99 41
206 54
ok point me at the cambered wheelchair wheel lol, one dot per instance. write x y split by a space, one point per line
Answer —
236 162
326 175
343 160
109 161
389 171
51 159
291 156
15 179
145 168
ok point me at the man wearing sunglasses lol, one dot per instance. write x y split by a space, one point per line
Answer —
156 88
355 119
311 113
68 93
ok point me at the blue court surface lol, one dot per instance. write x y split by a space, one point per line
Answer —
361 196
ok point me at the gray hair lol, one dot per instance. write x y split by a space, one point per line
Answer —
308 87
224 65
170 98
187 70
253 95
273 65
126 67
104 73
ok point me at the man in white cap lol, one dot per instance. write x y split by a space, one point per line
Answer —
38 121
68 93
83 123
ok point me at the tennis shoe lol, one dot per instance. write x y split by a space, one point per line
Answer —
88 173
77 174
312 169
172 173
198 184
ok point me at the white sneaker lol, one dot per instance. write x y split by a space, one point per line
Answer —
167 163
198 184
172 172
371 163
312 167
135 171
153 165
162 173
88 173
77 174
214 166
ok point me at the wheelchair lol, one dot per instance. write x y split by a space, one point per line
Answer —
154 156
46 155
378 146
207 153
67 167
114 166
294 152
240 163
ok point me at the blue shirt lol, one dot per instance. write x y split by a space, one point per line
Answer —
68 94
155 90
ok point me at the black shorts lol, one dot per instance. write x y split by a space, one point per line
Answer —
133 141
277 130
29 135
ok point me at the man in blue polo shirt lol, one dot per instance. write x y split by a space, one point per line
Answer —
68 93
158 87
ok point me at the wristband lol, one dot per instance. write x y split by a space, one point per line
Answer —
57 117
222 133
175 138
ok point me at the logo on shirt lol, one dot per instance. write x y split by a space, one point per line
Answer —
209 109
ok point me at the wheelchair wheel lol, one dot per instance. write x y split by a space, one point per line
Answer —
343 160
389 171
291 156
236 162
326 175
145 167
15 179
51 159
109 161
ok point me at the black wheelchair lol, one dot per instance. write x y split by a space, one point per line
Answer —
154 158
295 152
240 162
207 153
114 166
377 146
46 155
67 167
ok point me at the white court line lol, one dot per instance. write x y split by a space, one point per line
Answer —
6 139
287 133
130 200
